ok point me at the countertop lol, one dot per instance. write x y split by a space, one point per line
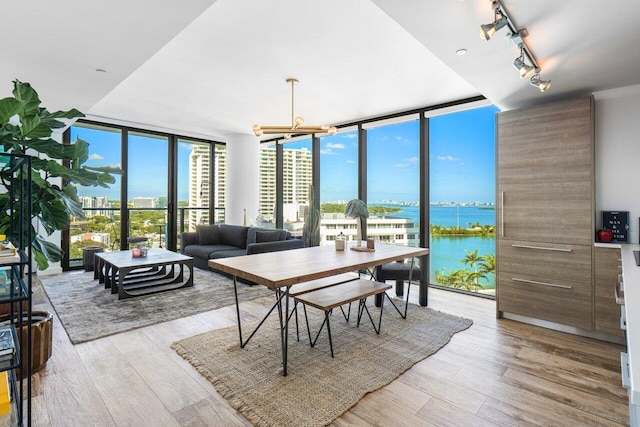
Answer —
631 279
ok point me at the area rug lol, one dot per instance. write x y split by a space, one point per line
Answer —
88 311
318 389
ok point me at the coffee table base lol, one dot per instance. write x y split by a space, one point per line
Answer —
129 277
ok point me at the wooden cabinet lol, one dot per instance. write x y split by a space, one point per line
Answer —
545 212
606 271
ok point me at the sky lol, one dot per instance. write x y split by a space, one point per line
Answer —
461 149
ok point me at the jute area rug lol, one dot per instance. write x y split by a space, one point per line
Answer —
318 389
88 311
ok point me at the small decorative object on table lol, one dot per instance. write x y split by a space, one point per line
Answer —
371 244
140 251
341 241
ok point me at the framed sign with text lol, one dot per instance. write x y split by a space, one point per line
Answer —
618 223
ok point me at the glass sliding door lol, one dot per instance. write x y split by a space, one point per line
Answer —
462 200
393 183
147 189
267 190
297 173
101 223
338 184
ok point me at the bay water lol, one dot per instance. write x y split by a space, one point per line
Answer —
446 252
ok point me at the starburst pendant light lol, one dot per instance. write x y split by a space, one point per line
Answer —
296 127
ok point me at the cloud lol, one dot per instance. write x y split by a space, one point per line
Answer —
332 145
351 161
408 162
96 157
449 158
328 151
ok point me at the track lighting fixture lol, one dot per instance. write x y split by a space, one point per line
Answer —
487 30
543 85
525 69
516 35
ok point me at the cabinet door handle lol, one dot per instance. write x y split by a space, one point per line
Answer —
502 214
619 300
553 285
542 248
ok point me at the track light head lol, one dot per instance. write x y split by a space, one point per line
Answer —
543 85
488 30
523 68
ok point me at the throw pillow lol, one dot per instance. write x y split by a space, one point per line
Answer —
234 235
267 236
208 234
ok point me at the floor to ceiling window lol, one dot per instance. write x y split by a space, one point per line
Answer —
393 183
386 159
101 224
146 214
297 170
267 190
338 184
462 200
200 180
147 182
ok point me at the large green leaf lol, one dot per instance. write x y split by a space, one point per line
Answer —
107 169
49 147
69 114
8 108
78 152
32 127
28 97
53 215
70 199
45 251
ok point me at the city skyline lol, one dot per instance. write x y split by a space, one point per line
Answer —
462 161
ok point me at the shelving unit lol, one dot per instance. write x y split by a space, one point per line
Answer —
15 289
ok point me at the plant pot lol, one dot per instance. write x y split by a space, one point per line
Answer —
41 339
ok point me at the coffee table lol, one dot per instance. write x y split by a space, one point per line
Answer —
161 270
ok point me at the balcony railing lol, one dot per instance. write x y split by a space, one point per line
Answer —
101 227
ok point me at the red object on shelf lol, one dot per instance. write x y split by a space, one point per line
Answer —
605 236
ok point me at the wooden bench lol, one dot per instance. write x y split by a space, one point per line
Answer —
314 285
328 298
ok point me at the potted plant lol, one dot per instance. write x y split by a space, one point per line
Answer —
27 128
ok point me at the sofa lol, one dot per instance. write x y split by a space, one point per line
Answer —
223 241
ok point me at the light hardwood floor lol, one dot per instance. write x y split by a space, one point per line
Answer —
498 372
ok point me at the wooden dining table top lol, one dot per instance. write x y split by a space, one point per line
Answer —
286 268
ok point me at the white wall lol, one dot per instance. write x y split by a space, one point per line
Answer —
617 151
243 178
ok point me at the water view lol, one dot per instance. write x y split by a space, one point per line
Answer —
448 252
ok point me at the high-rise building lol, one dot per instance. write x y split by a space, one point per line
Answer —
144 202
297 174
94 203
200 182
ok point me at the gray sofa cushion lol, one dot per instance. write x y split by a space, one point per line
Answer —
233 235
208 234
205 251
251 234
268 236
227 253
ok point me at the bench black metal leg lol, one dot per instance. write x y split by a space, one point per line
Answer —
326 317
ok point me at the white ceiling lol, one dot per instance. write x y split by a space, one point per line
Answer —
214 68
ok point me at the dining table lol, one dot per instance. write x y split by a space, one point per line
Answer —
279 271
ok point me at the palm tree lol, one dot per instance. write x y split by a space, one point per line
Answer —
488 264
472 259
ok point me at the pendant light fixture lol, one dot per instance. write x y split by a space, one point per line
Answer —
296 127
